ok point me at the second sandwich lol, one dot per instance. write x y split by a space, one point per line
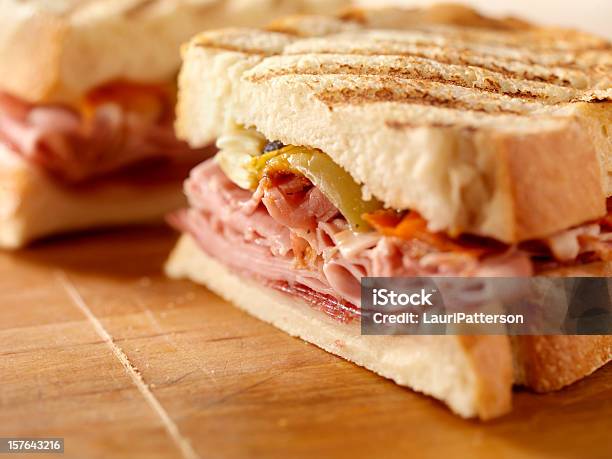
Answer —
87 100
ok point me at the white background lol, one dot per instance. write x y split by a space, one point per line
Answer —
591 15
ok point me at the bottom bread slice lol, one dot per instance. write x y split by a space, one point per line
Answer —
472 375
32 205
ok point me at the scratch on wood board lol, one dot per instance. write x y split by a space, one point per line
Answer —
182 442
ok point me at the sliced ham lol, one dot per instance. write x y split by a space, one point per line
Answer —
75 147
295 203
290 237
287 233
214 195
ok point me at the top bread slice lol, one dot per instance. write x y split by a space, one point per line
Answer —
491 127
54 51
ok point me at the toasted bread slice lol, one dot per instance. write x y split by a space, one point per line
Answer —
484 126
56 51
33 205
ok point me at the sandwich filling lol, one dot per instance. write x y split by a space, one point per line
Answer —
115 127
294 220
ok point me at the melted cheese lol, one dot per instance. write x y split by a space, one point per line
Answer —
237 145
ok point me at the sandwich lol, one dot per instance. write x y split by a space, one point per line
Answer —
400 143
87 99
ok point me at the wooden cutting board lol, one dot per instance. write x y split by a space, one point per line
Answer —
97 347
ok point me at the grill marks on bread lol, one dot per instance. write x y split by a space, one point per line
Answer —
523 71
563 69
375 89
402 68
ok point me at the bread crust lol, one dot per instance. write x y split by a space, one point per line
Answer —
57 51
491 358
548 363
548 172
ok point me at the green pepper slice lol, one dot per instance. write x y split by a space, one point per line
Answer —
333 181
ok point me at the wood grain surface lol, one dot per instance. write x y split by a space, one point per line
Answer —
96 346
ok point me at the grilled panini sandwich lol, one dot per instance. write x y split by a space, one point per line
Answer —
87 100
394 142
